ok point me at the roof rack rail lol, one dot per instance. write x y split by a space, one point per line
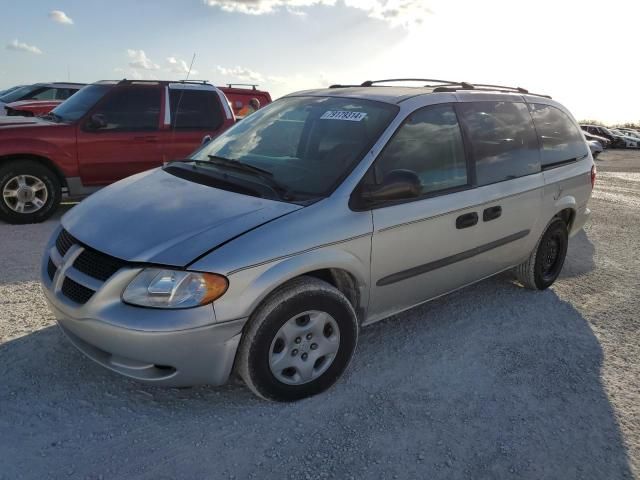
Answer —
502 87
254 86
199 82
371 83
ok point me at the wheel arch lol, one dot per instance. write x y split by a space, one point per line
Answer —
39 159
339 268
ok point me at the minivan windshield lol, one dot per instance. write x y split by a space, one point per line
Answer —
77 105
305 144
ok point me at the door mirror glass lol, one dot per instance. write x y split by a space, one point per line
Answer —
397 185
97 121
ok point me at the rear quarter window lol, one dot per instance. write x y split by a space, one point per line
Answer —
195 110
503 140
560 138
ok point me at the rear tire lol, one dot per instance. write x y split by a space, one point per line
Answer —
279 358
29 192
545 262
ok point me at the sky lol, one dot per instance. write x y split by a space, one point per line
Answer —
582 53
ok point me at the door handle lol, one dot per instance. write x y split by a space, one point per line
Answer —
467 220
491 213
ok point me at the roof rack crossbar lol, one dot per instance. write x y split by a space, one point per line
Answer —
253 85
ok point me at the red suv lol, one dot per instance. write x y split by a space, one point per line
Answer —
107 131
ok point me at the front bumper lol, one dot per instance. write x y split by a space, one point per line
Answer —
163 347
181 358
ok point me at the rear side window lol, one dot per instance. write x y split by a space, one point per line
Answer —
195 110
64 93
429 144
131 109
560 138
503 140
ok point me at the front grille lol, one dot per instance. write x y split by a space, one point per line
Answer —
76 292
98 265
90 262
51 269
64 242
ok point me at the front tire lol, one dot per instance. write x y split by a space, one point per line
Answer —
545 262
30 191
298 342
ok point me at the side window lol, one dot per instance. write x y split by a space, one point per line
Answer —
45 94
131 109
429 143
503 140
195 109
560 139
64 93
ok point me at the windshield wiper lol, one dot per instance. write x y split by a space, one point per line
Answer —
265 175
239 165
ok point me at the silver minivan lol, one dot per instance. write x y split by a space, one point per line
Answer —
268 249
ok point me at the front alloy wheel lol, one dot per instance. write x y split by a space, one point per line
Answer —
30 191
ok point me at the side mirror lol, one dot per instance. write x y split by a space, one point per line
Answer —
397 185
97 121
206 139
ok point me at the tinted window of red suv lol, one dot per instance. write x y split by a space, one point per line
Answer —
195 110
131 108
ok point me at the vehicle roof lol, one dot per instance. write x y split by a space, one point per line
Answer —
397 94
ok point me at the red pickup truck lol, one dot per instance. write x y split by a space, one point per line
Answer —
107 131
240 97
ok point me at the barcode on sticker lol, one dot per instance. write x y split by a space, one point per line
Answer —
343 115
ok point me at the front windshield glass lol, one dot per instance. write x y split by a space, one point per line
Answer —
306 144
18 94
78 104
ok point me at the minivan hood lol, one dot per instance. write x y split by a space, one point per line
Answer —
155 217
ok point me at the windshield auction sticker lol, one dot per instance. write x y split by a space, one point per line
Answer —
343 115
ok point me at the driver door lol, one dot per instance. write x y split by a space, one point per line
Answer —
127 141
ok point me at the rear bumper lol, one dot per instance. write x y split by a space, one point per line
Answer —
582 216
203 355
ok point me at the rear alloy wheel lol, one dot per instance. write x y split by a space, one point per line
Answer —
30 192
545 262
298 342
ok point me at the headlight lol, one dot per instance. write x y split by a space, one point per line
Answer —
161 288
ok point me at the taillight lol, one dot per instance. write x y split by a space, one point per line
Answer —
593 175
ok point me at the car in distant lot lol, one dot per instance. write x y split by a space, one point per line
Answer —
268 248
40 91
107 131
595 147
604 142
616 140
630 141
30 108
240 96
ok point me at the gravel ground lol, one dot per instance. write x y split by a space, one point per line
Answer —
493 381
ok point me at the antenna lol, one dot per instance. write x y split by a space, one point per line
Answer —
175 121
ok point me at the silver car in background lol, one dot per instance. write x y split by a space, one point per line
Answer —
268 249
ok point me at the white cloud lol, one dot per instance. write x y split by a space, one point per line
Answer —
396 12
139 60
23 47
59 16
241 73
177 65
